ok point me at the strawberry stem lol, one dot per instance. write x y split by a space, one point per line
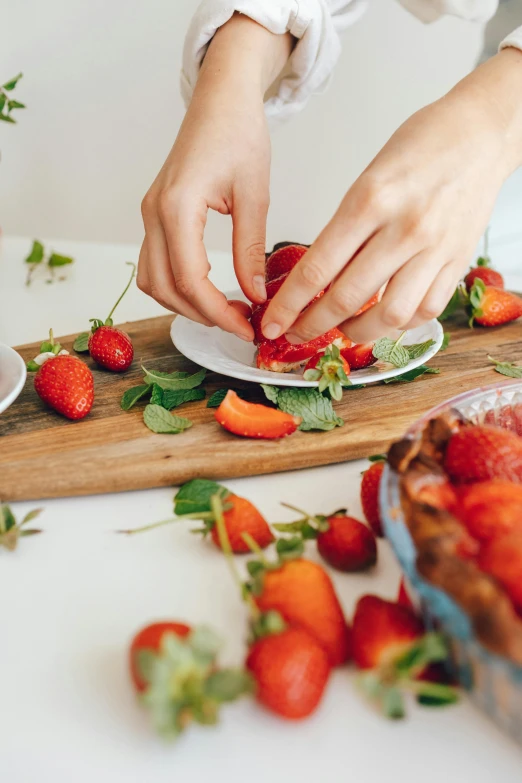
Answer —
255 548
147 527
129 263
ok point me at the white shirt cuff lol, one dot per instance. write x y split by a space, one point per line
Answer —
514 39
471 10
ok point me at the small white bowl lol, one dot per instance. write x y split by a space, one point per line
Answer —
12 376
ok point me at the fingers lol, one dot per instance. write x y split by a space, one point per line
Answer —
249 241
371 268
438 296
329 254
183 223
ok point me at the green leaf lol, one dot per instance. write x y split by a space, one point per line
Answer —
32 366
393 703
271 392
436 695
392 351
173 399
30 516
419 349
15 105
7 118
7 519
507 368
56 260
11 84
378 458
175 380
194 496
315 410
445 341
301 526
81 344
228 684
131 396
411 375
289 548
452 306
3 100
159 420
217 398
37 253
156 398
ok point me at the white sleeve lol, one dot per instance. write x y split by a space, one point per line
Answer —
315 23
431 10
514 39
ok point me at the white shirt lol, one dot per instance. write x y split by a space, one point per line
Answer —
316 24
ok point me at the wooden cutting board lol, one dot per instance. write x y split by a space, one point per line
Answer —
43 455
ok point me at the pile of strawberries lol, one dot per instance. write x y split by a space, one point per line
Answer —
65 382
297 633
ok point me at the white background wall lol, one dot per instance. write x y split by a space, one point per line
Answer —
101 85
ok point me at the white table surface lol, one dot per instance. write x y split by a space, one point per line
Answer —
72 598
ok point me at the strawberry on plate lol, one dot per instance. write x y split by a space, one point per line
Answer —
483 452
252 420
281 356
492 306
283 260
359 356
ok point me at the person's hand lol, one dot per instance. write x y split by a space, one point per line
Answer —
414 217
220 161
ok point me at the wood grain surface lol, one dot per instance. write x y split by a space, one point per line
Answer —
44 455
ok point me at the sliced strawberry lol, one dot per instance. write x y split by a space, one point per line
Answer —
254 421
369 494
359 356
282 261
279 352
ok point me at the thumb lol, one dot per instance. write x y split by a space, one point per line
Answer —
248 243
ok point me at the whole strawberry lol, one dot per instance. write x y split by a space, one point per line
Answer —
291 671
481 453
490 306
62 381
370 485
483 271
110 347
491 509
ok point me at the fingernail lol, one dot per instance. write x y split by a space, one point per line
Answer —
293 339
258 281
271 331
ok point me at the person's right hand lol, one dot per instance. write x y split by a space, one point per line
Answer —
220 161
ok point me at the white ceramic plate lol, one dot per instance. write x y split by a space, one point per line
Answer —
12 376
228 355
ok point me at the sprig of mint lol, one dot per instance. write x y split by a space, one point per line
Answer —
507 368
394 352
315 410
7 102
37 259
11 531
160 420
133 395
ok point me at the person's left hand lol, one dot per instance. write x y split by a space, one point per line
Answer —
412 220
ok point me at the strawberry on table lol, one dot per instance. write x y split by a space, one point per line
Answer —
370 485
110 347
252 420
492 306
175 671
331 371
483 452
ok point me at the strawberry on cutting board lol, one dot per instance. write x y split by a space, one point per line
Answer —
490 306
110 347
252 420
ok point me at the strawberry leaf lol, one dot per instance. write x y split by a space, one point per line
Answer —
11 84
227 685
37 253
56 260
290 548
160 420
81 344
194 496
131 396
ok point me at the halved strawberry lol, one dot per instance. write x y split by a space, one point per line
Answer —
283 260
359 355
281 356
254 421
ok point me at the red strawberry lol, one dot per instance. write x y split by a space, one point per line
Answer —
381 631
291 670
175 671
303 593
403 598
282 261
491 509
243 517
331 371
509 417
111 348
66 384
502 558
280 355
274 285
256 318
480 453
490 277
347 544
149 638
438 494
359 356
252 420
370 495
492 306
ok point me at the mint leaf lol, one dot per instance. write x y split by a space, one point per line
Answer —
392 351
81 344
174 380
315 410
418 349
411 375
7 118
37 253
56 260
217 398
271 392
507 368
159 420
194 496
452 306
445 341
156 398
15 105
173 399
11 84
131 396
